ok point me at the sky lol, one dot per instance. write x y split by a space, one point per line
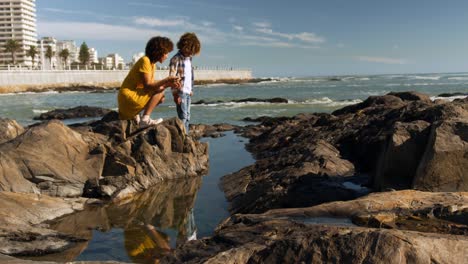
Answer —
295 38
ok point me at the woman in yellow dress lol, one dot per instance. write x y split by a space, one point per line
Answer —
139 91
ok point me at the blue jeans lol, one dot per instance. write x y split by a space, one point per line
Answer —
183 110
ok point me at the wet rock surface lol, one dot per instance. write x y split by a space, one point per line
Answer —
399 141
312 170
49 170
306 198
9 129
75 112
106 158
380 233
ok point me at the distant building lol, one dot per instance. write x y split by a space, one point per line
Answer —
72 49
137 56
93 56
17 22
112 61
45 62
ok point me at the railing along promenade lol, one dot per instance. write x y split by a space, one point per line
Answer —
17 79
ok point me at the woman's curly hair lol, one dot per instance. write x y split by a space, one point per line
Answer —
157 47
189 43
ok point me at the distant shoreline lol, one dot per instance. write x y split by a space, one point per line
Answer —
106 87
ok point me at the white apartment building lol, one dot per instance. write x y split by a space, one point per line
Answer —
137 56
70 45
47 63
93 55
113 61
18 22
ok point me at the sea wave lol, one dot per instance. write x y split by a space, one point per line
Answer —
419 77
324 101
458 78
40 111
450 98
329 102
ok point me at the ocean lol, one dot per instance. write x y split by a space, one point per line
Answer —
227 154
318 94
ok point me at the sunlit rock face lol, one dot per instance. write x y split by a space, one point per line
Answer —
106 158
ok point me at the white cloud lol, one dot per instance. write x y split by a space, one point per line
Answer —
207 23
340 45
304 36
156 22
237 28
382 60
96 31
147 5
262 24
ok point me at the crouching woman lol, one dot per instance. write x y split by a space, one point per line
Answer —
139 91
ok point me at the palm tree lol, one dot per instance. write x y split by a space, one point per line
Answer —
49 54
32 52
64 54
12 46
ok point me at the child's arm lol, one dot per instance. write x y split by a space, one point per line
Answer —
173 65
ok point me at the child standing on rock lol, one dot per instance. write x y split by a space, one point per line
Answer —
181 66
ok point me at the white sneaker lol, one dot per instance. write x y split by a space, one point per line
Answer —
147 121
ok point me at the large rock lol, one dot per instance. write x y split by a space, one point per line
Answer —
106 158
444 165
304 176
75 112
325 233
388 138
400 158
9 129
49 158
21 218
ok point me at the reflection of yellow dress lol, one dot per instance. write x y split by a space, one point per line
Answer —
144 246
132 97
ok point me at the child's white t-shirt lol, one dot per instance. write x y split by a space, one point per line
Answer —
187 76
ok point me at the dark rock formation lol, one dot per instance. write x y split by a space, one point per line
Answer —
214 131
75 112
452 94
9 129
295 235
401 140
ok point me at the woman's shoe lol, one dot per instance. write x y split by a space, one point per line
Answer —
147 121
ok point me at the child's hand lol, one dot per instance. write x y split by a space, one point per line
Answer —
177 99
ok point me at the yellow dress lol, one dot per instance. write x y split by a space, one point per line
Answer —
132 97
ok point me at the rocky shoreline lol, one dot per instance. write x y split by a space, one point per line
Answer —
381 180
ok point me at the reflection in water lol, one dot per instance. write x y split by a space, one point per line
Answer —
152 222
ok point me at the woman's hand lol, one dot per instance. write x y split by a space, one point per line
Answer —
173 81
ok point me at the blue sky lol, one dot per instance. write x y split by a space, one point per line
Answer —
277 38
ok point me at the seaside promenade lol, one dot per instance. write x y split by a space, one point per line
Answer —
20 80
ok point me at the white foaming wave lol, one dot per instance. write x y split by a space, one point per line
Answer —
392 84
234 104
458 78
353 78
450 98
417 77
40 111
329 102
